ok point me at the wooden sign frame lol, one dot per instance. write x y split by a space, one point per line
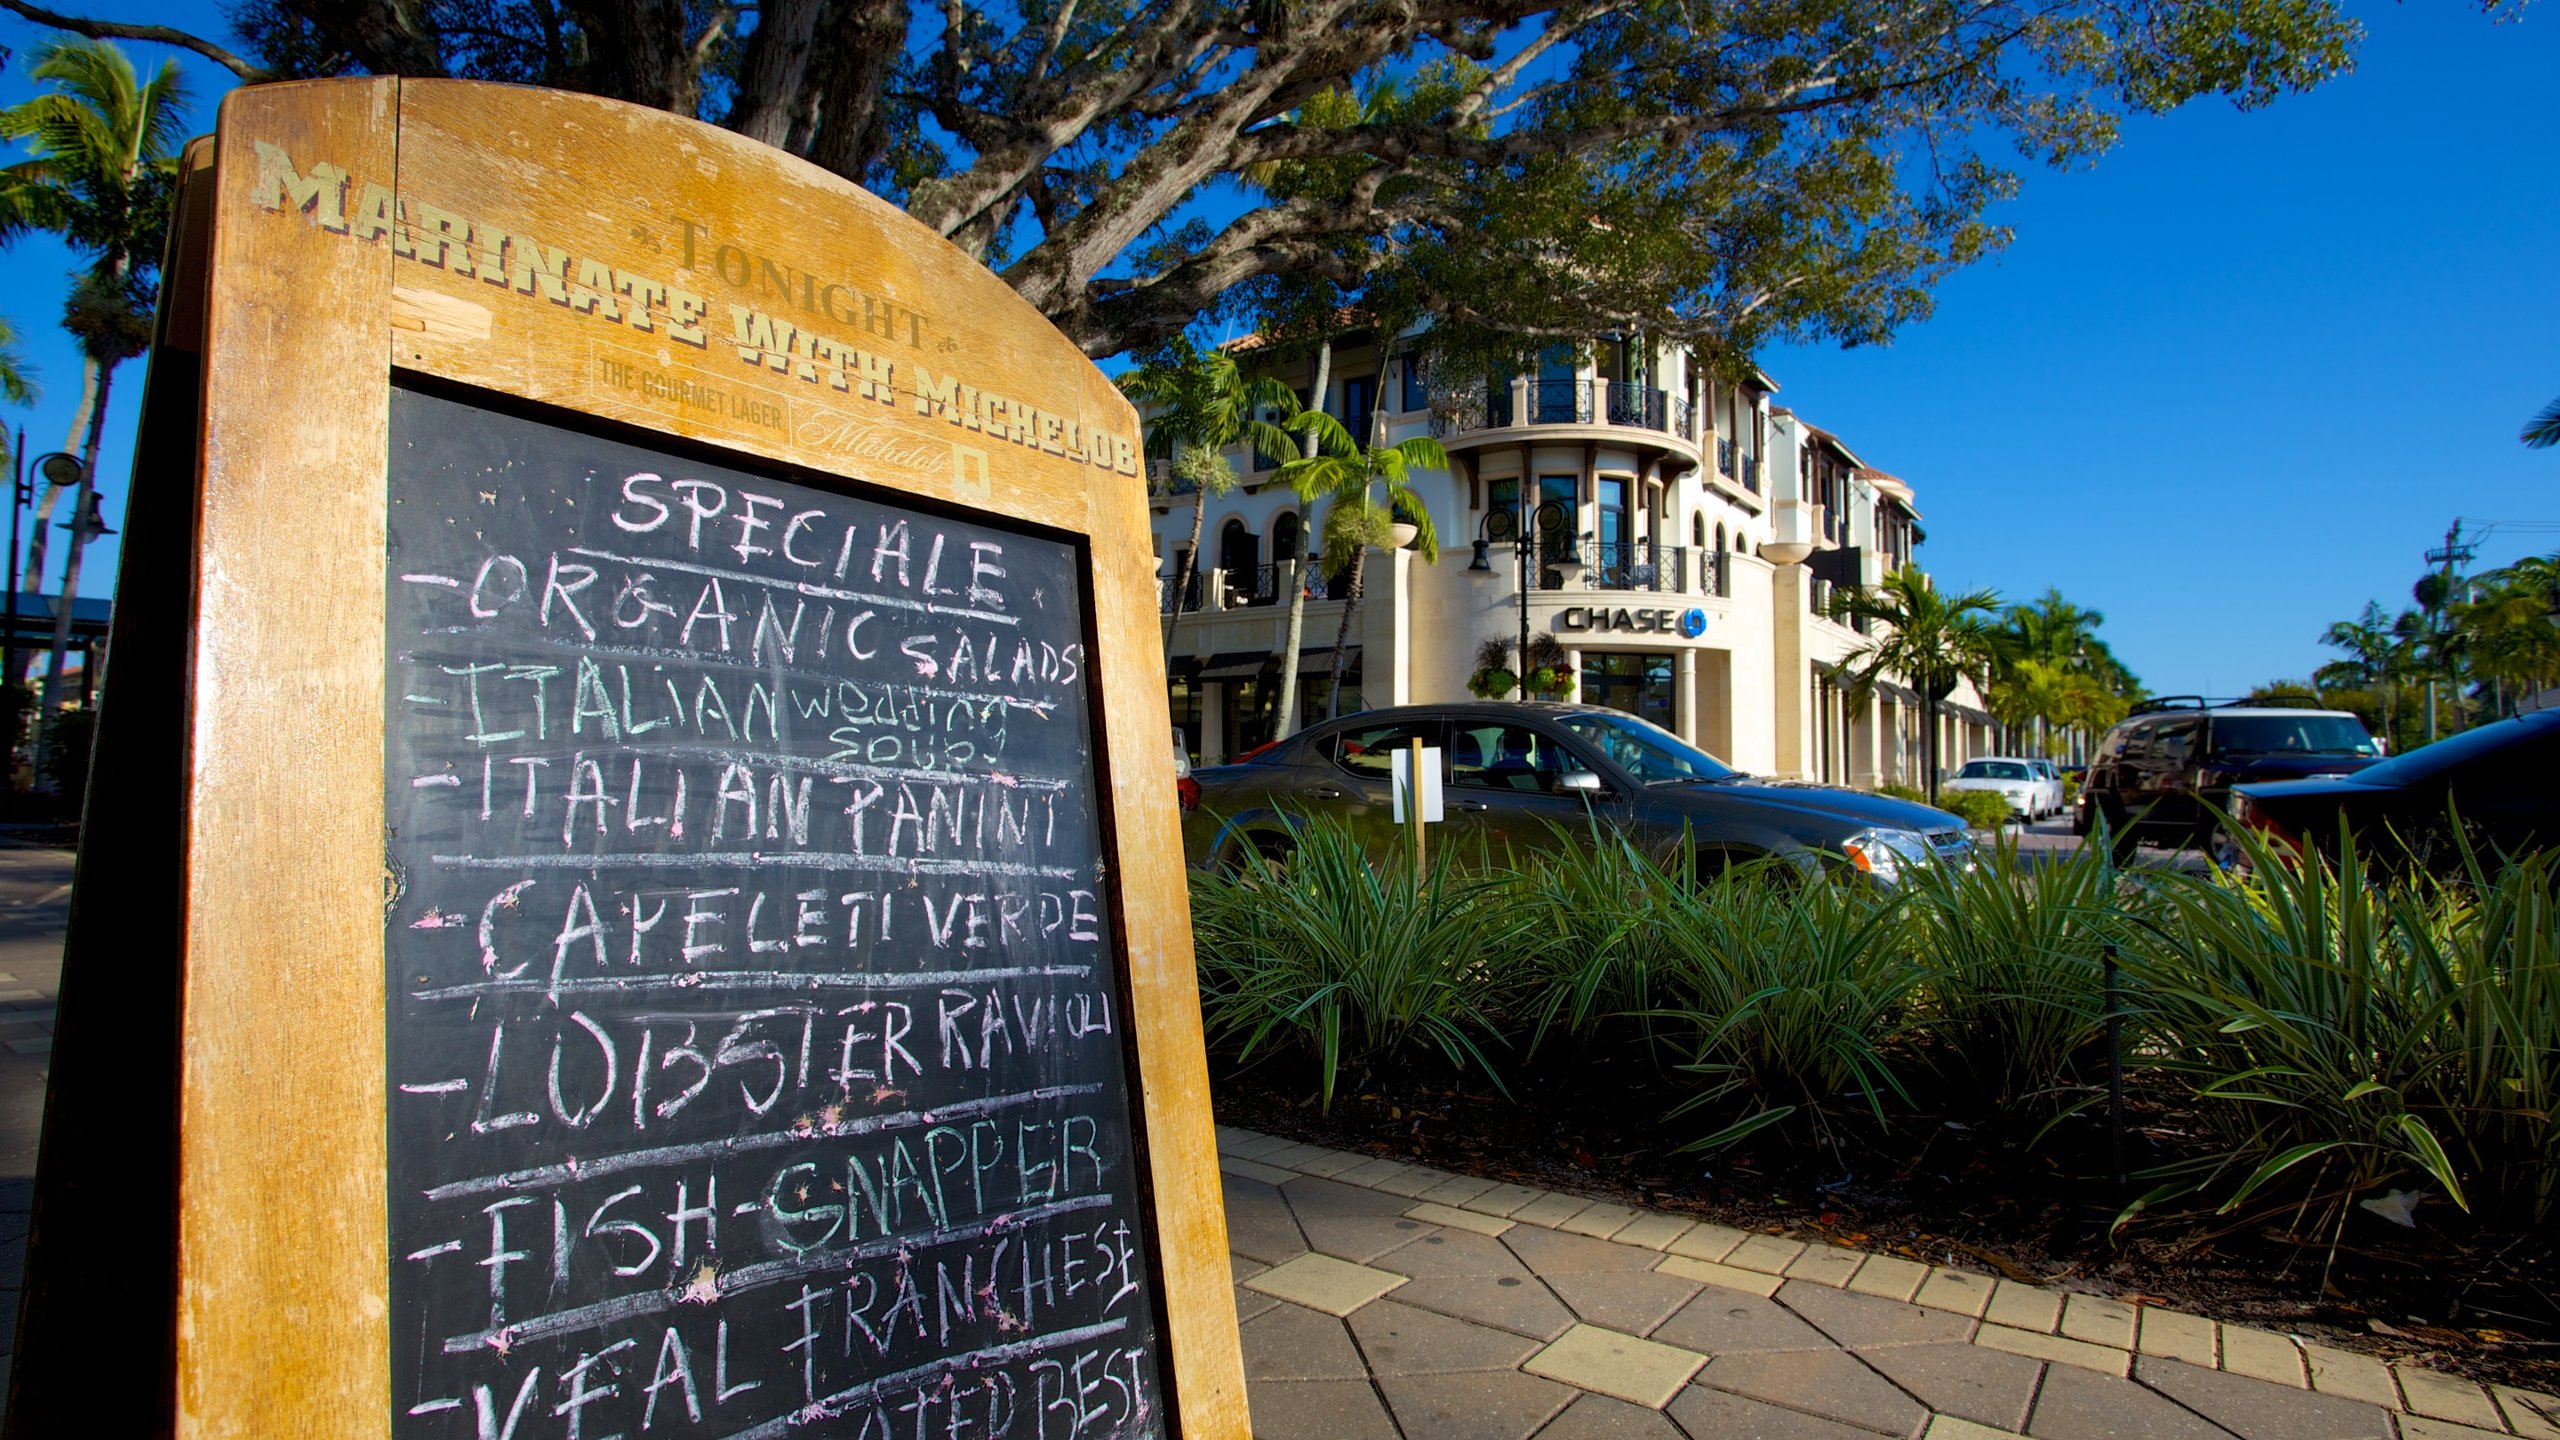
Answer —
595 264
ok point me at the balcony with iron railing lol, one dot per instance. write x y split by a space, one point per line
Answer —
1242 588
1635 565
1616 404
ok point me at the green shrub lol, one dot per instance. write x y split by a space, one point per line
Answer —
1599 906
2339 1035
1785 996
1978 809
1355 964
67 741
2324 1038
2012 955
1895 791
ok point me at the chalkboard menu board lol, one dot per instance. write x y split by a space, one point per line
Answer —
755 1029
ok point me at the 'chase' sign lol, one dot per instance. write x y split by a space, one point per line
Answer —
1691 622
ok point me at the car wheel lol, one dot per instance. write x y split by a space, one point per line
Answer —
1275 852
2226 852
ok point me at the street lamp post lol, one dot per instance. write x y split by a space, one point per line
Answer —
19 495
17 504
85 525
1510 527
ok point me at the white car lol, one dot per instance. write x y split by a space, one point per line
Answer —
2060 795
2032 790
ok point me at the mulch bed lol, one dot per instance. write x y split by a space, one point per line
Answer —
2480 1296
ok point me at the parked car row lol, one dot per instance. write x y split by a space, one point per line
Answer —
2180 772
1519 775
2164 775
2033 788
2494 790
1521 778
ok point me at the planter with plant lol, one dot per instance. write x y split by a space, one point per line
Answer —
1493 676
1550 674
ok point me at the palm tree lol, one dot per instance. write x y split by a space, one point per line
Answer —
1203 403
2377 658
2543 430
2027 693
2508 637
99 172
17 377
1931 641
1368 488
2087 706
2053 628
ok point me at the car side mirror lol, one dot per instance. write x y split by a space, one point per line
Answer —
1583 780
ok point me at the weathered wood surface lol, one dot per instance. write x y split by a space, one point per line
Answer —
281 1249
632 268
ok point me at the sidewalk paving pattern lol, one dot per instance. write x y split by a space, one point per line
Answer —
1387 1300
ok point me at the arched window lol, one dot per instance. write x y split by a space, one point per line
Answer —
1284 538
1239 549
1698 530
1719 539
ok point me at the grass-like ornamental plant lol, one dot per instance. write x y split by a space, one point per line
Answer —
1786 995
2338 1034
1354 962
2304 1041
2011 956
1601 906
2505 1034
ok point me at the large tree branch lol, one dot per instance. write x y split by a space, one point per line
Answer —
776 63
863 40
1050 112
642 51
149 34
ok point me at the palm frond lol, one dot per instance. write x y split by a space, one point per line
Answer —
2543 430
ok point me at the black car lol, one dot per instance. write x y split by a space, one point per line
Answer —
2163 775
1520 777
2500 783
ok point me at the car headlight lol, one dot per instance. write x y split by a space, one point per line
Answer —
1886 854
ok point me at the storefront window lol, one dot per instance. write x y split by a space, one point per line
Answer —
1638 684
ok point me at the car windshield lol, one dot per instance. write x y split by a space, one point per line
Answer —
2304 734
1653 755
1992 770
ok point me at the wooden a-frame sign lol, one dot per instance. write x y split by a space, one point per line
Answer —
630 885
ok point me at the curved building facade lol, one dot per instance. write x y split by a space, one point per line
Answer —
1678 536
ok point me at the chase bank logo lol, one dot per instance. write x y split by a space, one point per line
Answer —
1693 622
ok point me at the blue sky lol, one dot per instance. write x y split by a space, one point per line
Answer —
2226 386
2232 382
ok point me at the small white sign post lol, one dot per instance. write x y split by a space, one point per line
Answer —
1416 772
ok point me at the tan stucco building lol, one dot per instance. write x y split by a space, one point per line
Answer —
1682 534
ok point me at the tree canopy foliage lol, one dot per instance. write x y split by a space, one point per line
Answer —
2487 643
1718 172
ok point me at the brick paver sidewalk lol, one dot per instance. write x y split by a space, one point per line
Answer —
1384 1300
